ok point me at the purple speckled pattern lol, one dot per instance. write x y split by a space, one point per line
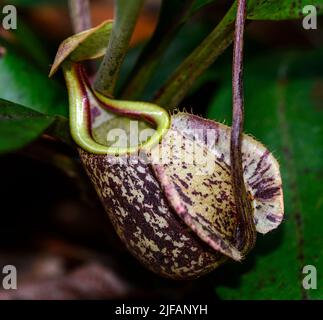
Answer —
261 170
144 220
179 218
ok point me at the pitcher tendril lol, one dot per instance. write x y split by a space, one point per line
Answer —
247 228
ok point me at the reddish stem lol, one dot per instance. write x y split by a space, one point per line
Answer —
246 230
80 15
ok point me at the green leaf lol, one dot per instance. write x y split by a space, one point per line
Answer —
271 9
183 79
172 17
19 125
199 4
22 83
280 9
183 43
173 91
284 110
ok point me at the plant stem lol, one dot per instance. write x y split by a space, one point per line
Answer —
247 231
126 15
175 89
80 15
173 14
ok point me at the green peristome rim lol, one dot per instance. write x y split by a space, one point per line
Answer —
78 88
88 45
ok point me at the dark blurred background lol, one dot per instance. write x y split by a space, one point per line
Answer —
53 227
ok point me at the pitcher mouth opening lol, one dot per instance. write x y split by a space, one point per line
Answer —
102 125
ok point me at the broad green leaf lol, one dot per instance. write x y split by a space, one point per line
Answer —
24 84
284 110
20 126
